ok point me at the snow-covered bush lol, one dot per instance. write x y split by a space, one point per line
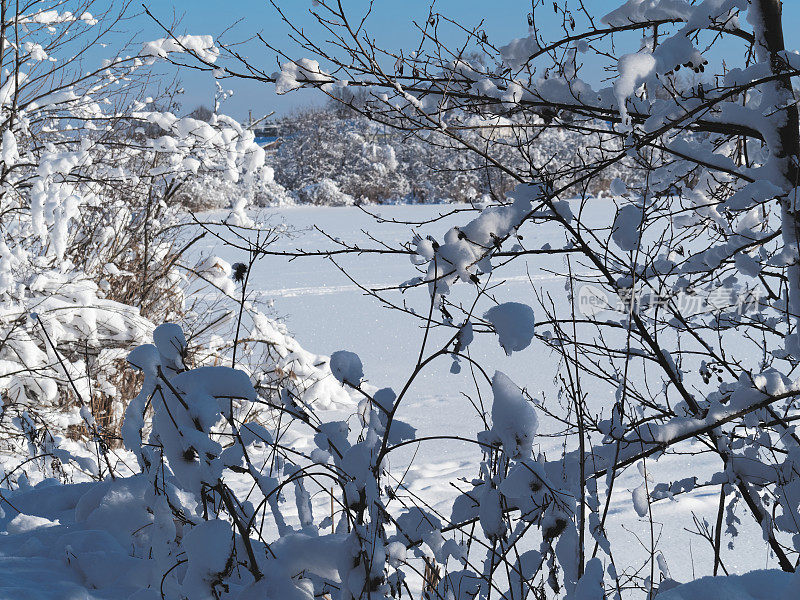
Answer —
324 192
319 151
212 192
90 243
382 164
695 348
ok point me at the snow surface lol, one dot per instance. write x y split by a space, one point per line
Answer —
327 311
756 585
73 540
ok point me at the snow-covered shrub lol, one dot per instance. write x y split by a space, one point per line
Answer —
212 192
203 440
320 152
695 351
206 193
90 244
324 192
381 164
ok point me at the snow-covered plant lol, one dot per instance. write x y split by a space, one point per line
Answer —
381 163
214 192
321 153
682 308
90 243
203 441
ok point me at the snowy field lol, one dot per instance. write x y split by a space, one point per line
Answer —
56 543
335 314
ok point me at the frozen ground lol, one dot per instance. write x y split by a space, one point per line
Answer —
39 555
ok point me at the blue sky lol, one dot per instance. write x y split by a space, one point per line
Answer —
391 23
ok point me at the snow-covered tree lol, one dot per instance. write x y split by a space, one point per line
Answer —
684 304
374 162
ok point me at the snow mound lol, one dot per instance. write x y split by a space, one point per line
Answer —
23 523
756 585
